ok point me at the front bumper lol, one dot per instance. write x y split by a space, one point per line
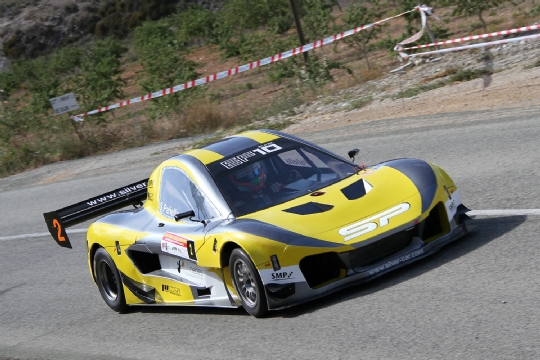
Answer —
353 272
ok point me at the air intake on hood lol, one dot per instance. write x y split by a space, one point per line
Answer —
357 190
309 208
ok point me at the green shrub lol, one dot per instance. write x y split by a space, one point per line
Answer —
360 103
407 93
165 64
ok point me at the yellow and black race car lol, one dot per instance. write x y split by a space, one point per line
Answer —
262 220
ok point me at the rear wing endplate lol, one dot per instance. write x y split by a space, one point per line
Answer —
57 221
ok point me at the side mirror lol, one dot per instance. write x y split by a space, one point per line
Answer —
184 215
352 153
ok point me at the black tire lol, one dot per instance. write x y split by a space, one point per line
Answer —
109 281
247 283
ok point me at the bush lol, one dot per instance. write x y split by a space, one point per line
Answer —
163 59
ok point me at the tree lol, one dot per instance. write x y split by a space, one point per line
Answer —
475 7
358 15
164 60
98 82
317 18
195 22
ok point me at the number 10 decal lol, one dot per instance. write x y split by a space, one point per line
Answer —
267 148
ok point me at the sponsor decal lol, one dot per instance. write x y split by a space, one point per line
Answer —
282 275
171 289
287 274
244 158
193 273
150 183
167 210
452 206
395 262
196 271
129 189
125 191
367 172
102 199
150 196
372 223
293 158
175 245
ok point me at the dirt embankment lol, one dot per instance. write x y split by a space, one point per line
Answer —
515 83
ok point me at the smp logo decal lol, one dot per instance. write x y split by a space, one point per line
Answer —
283 275
372 223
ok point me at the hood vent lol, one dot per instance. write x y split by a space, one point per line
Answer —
357 190
309 208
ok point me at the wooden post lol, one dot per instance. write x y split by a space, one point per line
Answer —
73 122
298 28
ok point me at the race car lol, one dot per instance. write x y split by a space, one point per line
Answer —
263 220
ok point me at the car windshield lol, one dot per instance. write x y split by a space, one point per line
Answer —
279 177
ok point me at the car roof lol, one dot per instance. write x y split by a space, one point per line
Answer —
224 155
232 145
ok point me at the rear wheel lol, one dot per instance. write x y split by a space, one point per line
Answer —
247 283
108 281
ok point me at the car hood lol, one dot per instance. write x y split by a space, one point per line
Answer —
385 197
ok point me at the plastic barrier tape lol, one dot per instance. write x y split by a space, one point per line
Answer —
246 67
474 46
476 37
403 56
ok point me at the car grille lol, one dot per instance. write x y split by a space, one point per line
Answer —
324 268
380 249
321 268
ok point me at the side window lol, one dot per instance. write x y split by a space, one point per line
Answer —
179 194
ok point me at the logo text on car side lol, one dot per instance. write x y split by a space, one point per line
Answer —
367 225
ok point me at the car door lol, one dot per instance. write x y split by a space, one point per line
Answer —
179 238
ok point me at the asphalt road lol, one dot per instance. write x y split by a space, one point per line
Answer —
478 298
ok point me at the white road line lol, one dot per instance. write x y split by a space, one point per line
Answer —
26 236
507 212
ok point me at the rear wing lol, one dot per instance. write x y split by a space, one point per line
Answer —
57 221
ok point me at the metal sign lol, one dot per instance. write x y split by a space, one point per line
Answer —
64 103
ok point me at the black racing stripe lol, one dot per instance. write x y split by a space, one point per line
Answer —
232 145
421 174
259 228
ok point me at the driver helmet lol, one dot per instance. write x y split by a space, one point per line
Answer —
249 179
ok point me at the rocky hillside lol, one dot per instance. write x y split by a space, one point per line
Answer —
33 27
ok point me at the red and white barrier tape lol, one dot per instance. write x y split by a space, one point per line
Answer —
475 46
424 11
476 37
404 56
252 65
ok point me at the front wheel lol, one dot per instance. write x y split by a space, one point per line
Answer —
108 281
247 283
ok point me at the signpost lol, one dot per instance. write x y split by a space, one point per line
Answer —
64 104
